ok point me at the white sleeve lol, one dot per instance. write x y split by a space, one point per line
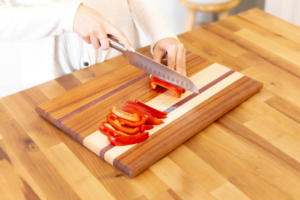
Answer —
21 23
150 17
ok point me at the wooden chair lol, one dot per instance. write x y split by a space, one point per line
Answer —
224 10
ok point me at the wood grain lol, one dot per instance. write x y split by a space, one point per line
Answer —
250 153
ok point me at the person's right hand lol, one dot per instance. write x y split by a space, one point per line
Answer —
93 28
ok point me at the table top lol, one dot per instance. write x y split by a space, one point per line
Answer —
253 152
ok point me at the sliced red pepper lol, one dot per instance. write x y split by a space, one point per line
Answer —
161 116
128 140
118 126
157 81
108 130
125 115
135 104
132 124
132 108
147 126
153 110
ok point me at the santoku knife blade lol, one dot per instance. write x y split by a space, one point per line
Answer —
155 68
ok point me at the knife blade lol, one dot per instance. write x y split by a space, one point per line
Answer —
155 68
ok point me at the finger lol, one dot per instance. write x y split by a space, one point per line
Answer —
172 51
184 62
87 39
102 37
158 55
113 37
120 36
95 41
180 65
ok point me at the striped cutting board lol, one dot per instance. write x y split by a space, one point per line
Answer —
80 111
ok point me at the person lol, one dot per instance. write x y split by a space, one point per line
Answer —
58 37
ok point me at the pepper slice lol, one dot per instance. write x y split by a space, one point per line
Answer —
132 124
135 104
125 115
132 139
118 126
153 110
154 81
131 108
108 130
146 127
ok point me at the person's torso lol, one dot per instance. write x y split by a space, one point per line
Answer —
53 56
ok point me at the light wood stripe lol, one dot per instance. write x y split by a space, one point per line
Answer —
95 142
118 150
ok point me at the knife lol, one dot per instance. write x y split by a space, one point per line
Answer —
155 68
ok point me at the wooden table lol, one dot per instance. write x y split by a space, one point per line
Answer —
251 153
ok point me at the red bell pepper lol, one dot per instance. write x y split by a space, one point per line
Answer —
146 127
153 110
152 113
108 130
132 124
118 126
154 81
133 117
128 140
131 108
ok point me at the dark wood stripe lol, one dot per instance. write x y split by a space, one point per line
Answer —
201 90
105 149
188 98
59 121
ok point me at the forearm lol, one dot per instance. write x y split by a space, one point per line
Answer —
30 23
150 17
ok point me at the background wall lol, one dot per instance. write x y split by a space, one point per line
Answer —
288 10
10 66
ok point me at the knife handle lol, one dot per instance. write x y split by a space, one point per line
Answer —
116 45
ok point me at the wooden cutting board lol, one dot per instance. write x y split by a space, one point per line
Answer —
80 111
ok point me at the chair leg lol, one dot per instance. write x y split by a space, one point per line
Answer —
224 14
189 20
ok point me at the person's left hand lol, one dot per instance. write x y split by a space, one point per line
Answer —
175 52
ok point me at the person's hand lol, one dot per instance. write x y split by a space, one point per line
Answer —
93 28
175 52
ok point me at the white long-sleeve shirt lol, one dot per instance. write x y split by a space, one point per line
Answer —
43 33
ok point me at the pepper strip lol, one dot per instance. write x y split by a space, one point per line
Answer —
131 108
153 110
125 122
128 140
154 81
125 115
114 122
108 130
